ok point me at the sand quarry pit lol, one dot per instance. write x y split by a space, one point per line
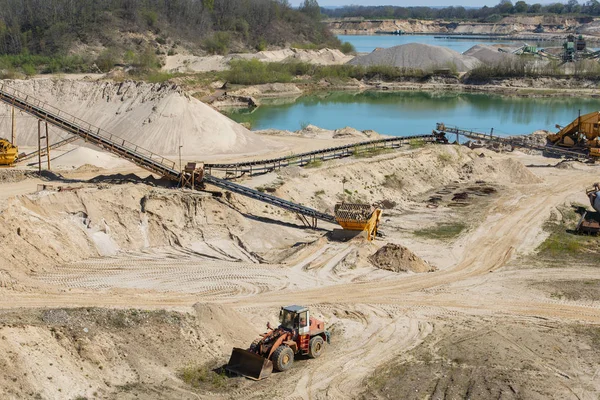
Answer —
118 288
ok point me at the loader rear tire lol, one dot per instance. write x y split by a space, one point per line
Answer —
315 347
283 358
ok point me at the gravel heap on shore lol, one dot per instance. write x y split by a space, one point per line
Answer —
488 54
418 56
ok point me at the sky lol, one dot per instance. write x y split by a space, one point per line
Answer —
409 3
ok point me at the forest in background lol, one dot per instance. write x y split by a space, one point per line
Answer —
484 14
64 35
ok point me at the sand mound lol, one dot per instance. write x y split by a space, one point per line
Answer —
397 258
158 117
488 54
418 56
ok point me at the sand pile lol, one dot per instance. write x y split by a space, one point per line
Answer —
489 54
158 117
418 56
397 258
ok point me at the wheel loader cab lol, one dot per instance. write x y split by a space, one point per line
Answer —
295 318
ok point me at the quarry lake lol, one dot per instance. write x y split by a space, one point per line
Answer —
368 43
410 113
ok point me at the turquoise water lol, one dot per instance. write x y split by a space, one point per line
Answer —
410 113
368 43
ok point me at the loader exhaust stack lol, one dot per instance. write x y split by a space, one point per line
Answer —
251 365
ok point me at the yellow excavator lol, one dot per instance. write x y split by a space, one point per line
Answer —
583 134
8 152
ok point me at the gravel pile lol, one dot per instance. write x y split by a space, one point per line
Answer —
488 54
418 56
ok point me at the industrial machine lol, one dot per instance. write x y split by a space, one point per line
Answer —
583 134
590 222
8 152
297 334
357 218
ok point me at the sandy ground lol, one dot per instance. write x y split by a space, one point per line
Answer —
132 247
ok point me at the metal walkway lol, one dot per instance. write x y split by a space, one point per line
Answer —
136 154
514 142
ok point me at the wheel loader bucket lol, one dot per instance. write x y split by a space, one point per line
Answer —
248 364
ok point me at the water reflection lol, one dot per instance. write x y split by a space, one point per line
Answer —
368 43
407 113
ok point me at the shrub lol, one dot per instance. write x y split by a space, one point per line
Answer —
218 43
29 69
347 48
254 72
106 60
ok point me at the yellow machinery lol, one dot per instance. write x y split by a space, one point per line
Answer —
358 217
581 134
8 152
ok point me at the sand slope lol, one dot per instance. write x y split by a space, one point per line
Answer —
158 117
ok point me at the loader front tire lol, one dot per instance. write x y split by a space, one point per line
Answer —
315 347
283 358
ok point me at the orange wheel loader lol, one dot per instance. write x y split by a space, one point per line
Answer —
297 334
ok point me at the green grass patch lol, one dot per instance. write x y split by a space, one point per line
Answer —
202 376
444 231
444 158
367 153
393 181
316 163
319 193
563 244
416 143
30 64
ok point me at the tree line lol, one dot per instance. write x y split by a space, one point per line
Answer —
483 14
51 27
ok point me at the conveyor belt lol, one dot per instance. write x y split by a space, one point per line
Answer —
514 142
267 198
52 147
129 151
258 166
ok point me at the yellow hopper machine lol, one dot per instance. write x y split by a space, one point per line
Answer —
8 152
357 218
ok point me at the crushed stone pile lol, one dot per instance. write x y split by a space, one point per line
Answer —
489 54
418 56
157 117
397 258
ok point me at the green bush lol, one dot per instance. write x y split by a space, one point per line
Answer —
29 69
347 48
218 43
254 72
106 60
262 45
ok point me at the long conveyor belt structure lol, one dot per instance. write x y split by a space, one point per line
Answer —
514 142
301 159
144 158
